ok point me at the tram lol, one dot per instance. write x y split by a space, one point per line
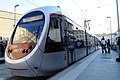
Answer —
45 41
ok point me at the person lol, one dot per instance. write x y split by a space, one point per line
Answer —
118 44
103 45
2 50
108 45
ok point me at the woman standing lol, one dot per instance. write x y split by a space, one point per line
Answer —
108 45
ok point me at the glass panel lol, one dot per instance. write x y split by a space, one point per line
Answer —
54 42
29 28
54 33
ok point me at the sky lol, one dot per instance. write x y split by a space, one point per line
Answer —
78 10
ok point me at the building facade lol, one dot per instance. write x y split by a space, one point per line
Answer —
7 23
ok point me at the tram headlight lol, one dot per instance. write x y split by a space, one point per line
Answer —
25 51
9 50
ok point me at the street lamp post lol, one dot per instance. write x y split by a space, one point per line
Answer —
15 14
85 27
110 29
118 59
118 16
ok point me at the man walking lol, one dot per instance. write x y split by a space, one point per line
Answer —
103 45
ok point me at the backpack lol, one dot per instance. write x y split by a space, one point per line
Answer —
103 42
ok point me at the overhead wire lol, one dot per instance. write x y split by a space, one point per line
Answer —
61 10
31 3
76 5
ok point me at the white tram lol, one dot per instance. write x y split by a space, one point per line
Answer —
44 42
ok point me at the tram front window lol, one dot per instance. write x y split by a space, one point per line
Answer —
29 28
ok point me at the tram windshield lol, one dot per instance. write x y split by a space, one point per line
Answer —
29 28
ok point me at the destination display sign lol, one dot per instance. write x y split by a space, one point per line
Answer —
33 18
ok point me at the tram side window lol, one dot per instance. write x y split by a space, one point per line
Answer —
54 23
80 41
53 42
64 25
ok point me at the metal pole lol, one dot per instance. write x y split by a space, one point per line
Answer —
117 15
15 14
110 29
85 26
118 59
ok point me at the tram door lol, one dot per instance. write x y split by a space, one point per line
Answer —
71 49
69 41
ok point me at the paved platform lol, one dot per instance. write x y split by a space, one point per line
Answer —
97 66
